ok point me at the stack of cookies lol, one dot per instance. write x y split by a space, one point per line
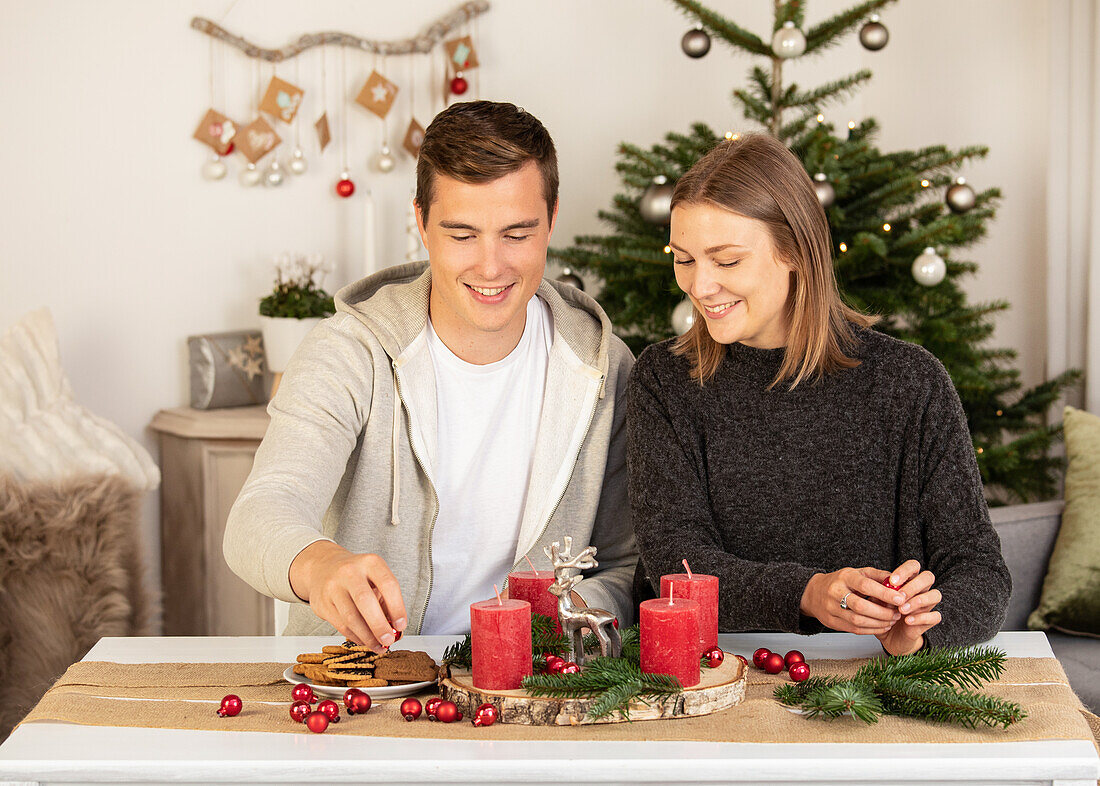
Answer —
355 666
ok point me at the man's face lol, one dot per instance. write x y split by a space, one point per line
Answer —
487 246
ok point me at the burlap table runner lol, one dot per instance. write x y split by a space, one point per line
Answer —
186 695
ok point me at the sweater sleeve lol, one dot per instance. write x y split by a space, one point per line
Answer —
672 515
961 547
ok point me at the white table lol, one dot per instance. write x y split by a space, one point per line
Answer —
64 753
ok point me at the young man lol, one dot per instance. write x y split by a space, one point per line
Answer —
451 418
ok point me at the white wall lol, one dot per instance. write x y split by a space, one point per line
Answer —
105 219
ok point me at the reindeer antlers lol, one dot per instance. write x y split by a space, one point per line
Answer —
562 558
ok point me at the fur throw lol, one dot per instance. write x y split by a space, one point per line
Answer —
70 573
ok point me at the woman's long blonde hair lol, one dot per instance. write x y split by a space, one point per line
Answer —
756 176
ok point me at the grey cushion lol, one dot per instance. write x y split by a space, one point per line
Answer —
1080 657
1027 535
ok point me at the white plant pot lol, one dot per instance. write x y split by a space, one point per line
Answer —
282 335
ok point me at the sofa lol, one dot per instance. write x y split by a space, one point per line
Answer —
1027 538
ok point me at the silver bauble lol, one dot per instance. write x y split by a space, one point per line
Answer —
826 194
214 169
960 197
683 317
384 161
274 175
788 41
656 202
695 43
572 279
874 34
297 163
929 268
250 175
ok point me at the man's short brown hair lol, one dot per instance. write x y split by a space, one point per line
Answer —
480 141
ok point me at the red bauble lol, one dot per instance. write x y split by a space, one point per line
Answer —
759 656
799 672
615 622
793 657
555 666
773 664
345 188
360 703
742 659
410 709
229 149
486 715
447 712
570 668
299 710
317 721
330 708
303 692
459 85
886 583
430 706
714 657
231 705
348 694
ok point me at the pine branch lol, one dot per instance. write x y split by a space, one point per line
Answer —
828 33
943 703
963 667
616 681
725 29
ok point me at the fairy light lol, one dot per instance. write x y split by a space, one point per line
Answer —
999 413
668 249
843 247
885 227
851 125
925 183
821 118
981 450
729 135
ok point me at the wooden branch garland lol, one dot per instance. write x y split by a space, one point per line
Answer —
422 43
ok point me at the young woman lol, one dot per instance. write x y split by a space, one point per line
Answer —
787 448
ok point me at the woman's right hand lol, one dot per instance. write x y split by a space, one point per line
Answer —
871 606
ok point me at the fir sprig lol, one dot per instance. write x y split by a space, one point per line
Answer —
616 682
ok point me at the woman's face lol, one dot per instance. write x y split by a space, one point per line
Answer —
726 264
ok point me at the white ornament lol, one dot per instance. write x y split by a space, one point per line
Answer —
250 176
788 41
214 169
274 175
384 161
297 164
929 268
683 317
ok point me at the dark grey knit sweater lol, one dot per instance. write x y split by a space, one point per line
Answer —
869 467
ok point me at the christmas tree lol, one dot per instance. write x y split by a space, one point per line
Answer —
897 221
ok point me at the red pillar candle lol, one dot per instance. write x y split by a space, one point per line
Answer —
703 590
500 641
670 638
533 587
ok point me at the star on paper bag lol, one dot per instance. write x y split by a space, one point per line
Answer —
377 94
461 54
217 131
257 139
282 99
323 135
414 138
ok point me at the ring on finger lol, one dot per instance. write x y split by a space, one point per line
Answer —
844 601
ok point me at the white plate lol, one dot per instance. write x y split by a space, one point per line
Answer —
337 691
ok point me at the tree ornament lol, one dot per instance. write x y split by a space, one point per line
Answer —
793 657
348 694
231 705
214 169
929 268
714 657
384 161
274 175
683 316
570 667
826 194
303 692
317 721
331 709
360 703
799 672
773 664
886 583
486 715
874 35
431 705
459 85
656 202
447 712
556 666
299 710
788 41
960 197
742 659
250 176
410 709
695 42
759 656
572 279
344 186
297 163
229 149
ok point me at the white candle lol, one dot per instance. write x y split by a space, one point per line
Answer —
370 251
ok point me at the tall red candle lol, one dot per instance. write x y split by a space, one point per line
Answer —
670 638
500 641
532 586
703 590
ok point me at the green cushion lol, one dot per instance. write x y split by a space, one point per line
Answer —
1071 590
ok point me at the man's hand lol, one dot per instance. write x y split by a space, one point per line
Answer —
356 593
907 634
869 604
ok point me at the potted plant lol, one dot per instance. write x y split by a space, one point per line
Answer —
295 306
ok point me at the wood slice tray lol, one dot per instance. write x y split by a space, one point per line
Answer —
718 689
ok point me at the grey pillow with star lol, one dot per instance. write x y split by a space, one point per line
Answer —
227 369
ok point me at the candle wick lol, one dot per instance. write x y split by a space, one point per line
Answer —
687 568
529 562
671 591
501 602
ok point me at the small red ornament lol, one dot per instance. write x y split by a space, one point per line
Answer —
799 672
447 712
303 692
555 666
793 657
348 694
299 710
317 721
229 149
615 623
458 715
430 706
345 187
330 708
759 656
459 85
714 657
570 668
360 703
397 635
231 705
410 709
742 659
773 664
886 583
486 715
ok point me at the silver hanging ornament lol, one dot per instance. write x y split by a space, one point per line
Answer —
683 317
384 161
250 176
874 35
788 41
297 163
572 279
826 194
656 202
695 43
214 168
274 175
929 268
960 197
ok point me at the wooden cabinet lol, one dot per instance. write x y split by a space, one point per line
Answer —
206 456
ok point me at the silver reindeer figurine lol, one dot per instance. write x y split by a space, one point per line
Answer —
567 570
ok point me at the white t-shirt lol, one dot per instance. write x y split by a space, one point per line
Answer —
488 421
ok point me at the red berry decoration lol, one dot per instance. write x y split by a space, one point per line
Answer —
360 703
793 657
569 667
410 709
303 692
231 705
431 705
459 85
345 187
447 712
742 659
317 721
714 657
886 583
555 666
229 149
773 664
759 656
299 710
486 715
799 672
331 709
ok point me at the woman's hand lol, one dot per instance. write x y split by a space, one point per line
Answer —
907 634
852 600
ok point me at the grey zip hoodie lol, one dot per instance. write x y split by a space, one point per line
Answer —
349 453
